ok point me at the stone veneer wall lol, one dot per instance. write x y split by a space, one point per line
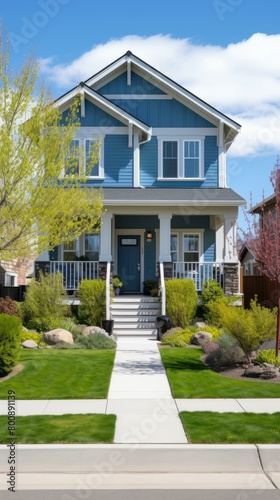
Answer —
231 278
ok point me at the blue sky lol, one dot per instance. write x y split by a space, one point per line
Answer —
224 51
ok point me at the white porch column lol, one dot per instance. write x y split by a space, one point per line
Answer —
105 251
164 237
230 238
217 223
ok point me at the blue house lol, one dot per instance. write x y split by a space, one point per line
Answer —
162 170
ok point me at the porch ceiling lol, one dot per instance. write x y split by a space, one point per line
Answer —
172 197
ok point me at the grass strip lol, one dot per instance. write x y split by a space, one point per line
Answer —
231 428
190 378
61 429
61 374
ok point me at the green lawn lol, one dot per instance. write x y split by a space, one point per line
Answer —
61 429
190 378
229 428
61 374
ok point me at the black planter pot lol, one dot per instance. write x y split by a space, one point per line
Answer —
107 325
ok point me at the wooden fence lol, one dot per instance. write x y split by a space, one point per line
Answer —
265 289
14 292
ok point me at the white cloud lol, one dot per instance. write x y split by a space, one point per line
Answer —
241 80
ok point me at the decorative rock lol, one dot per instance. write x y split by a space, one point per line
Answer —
58 335
29 344
94 329
210 346
253 372
200 324
200 337
267 345
269 373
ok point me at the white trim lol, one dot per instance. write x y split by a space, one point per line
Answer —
181 157
130 132
83 107
128 78
146 97
11 275
185 132
221 156
136 162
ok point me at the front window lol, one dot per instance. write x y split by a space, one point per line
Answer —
174 248
69 250
181 159
191 248
170 159
72 161
92 246
191 159
92 158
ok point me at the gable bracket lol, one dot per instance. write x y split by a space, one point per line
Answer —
128 76
83 107
130 130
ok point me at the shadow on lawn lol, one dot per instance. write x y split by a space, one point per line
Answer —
177 362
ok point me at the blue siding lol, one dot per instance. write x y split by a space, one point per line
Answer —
209 246
149 163
162 113
138 86
118 162
136 222
211 162
96 117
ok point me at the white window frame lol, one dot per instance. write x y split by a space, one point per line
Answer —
101 156
11 275
173 233
181 157
200 234
84 242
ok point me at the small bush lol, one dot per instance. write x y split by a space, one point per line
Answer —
9 306
265 321
69 325
26 335
93 301
211 292
44 303
268 356
216 309
178 339
95 341
228 354
10 331
181 301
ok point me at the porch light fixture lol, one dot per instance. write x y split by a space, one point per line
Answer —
149 236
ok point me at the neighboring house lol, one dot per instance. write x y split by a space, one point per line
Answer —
248 262
13 277
162 169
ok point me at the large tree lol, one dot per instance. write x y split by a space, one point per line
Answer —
39 206
263 238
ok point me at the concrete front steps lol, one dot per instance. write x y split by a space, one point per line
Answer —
135 315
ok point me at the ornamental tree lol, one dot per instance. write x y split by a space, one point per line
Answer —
263 239
39 206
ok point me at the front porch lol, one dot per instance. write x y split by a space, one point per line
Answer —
74 272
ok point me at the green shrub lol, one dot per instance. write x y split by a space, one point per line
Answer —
9 306
10 331
265 321
215 309
239 323
93 301
69 325
44 303
26 335
228 354
268 356
181 301
95 341
178 339
211 292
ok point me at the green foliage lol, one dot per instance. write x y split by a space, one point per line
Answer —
268 356
95 341
228 354
69 325
239 323
181 301
37 149
44 303
265 321
10 332
93 301
215 309
211 292
215 332
116 282
26 335
9 306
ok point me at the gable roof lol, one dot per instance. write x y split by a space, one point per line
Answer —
129 62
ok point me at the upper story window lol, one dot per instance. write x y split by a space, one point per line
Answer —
86 157
181 159
92 246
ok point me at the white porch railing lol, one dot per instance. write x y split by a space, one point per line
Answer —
198 272
75 271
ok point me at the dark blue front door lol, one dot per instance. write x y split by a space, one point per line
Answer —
129 262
